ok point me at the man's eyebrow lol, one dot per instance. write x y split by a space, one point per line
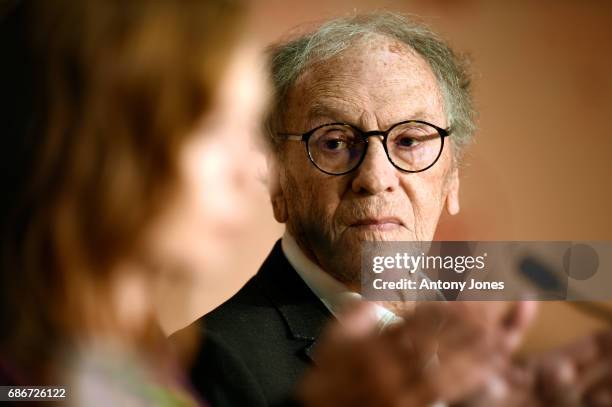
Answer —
319 110
420 115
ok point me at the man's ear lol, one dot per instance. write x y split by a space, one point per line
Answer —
452 196
277 197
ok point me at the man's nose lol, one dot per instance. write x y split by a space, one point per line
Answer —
376 174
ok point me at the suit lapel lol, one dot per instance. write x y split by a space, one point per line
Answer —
303 312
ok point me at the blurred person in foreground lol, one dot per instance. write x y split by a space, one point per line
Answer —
124 125
371 117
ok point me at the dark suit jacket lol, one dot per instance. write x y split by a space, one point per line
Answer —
259 342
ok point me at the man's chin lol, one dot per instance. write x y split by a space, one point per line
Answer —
344 253
382 233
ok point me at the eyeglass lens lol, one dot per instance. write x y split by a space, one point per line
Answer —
338 148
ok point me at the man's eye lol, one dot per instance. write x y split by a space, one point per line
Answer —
406 141
334 141
334 144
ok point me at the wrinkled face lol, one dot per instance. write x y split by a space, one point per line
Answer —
373 85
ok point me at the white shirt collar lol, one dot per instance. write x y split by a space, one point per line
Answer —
332 293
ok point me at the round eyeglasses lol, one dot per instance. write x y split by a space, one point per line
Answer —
339 148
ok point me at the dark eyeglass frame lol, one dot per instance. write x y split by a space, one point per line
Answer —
365 135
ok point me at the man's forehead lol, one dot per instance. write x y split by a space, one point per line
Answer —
384 77
368 59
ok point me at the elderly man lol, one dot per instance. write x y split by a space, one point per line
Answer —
371 113
370 118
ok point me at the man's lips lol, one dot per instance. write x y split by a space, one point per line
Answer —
383 223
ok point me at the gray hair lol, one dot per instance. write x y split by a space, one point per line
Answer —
290 59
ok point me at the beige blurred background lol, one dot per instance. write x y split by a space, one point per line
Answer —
541 167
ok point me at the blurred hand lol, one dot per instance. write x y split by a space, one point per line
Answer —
576 375
443 351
